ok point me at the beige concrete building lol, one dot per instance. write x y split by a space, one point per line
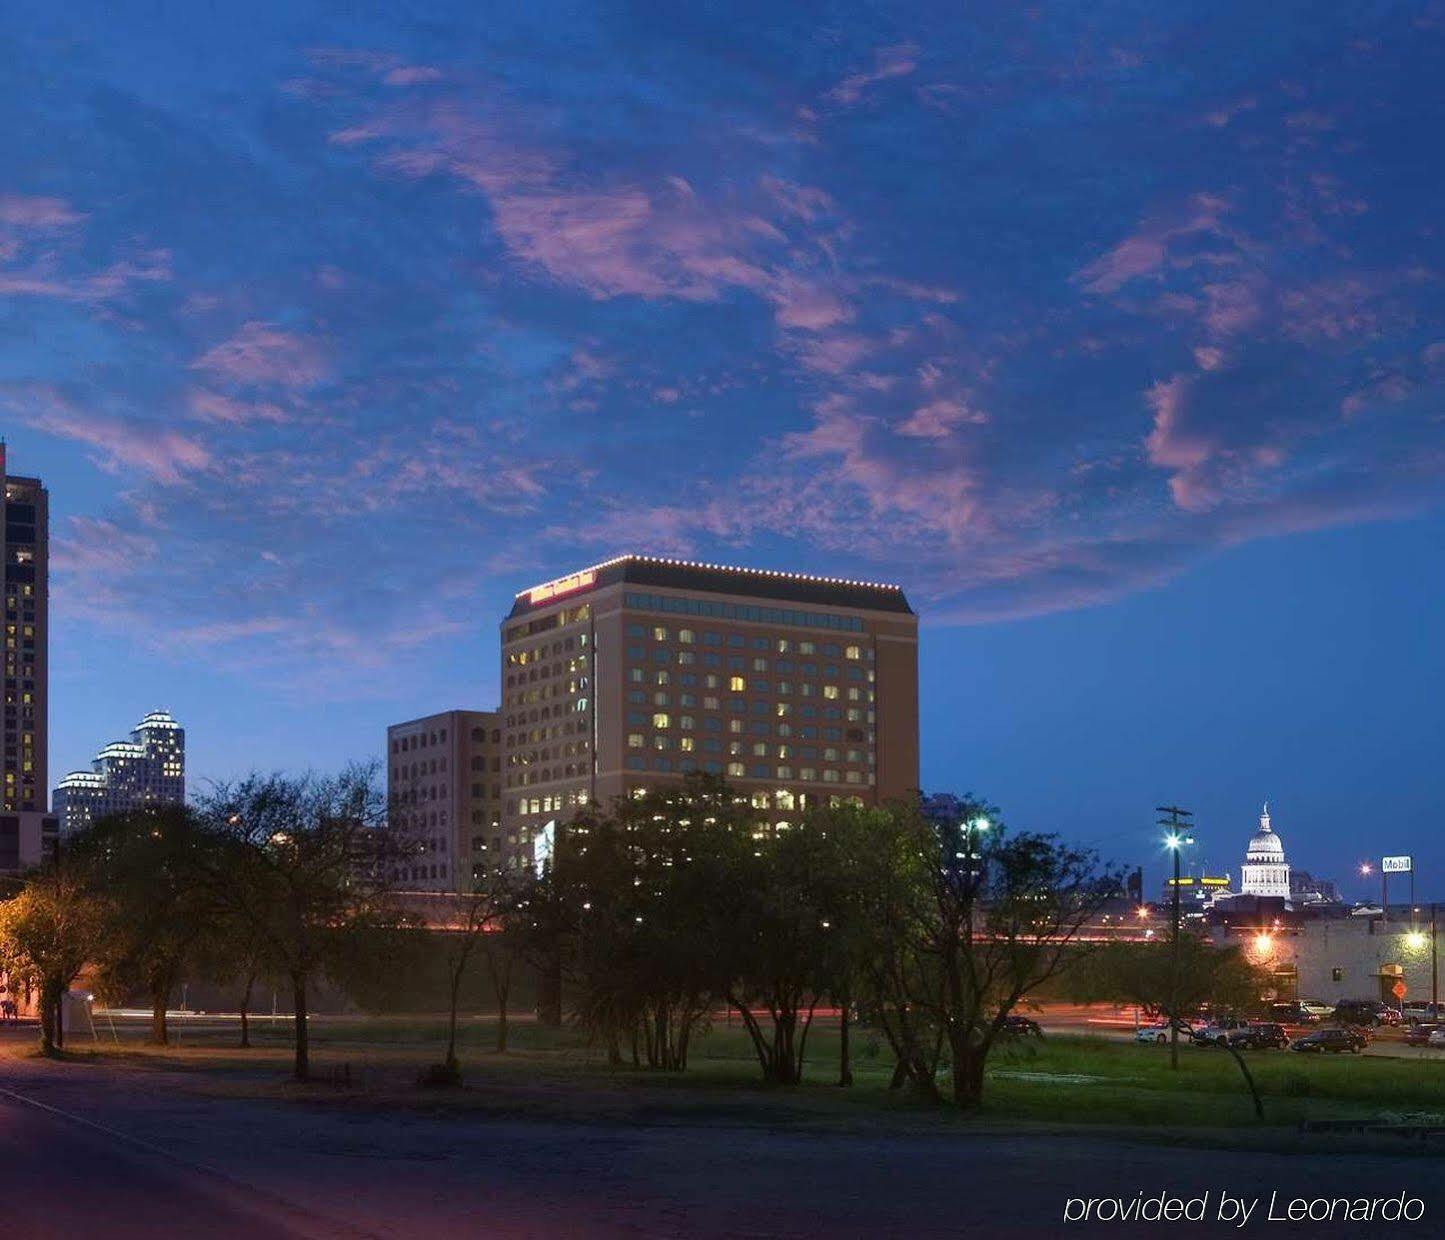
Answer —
444 786
27 832
798 689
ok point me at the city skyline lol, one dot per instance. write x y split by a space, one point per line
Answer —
1111 343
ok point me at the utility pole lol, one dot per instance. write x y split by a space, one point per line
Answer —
1434 969
1178 836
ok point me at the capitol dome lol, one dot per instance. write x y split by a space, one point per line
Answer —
1266 873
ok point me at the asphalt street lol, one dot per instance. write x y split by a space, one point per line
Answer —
64 1179
220 1167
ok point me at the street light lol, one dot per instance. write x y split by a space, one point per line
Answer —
1179 836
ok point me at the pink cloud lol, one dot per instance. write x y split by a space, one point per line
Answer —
889 63
209 406
164 455
263 355
940 418
1144 252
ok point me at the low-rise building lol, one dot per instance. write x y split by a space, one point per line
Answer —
444 788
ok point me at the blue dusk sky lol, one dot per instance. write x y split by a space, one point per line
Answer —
1112 332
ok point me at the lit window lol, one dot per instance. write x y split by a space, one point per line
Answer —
736 769
661 720
736 684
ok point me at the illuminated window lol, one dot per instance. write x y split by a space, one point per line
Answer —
736 769
736 684
659 633
853 652
661 720
686 636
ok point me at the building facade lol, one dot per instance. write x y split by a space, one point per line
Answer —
799 690
1265 872
28 833
444 789
149 769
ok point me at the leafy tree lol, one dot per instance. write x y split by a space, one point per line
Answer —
146 864
303 867
976 920
48 933
794 938
1144 974
645 898
1176 986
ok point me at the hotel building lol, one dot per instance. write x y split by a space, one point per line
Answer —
149 769
28 834
799 690
444 789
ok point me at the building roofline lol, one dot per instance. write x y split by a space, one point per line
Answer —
841 592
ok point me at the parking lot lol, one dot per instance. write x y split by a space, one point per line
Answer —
1123 1022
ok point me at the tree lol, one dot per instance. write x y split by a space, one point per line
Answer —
303 864
48 933
641 901
976 920
1144 974
474 920
147 865
1175 982
793 938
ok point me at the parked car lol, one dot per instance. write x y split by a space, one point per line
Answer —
1021 1027
1155 1034
1293 1014
1422 1011
1263 1035
1335 1041
1366 1012
1419 1033
1316 1008
1437 1036
1220 1030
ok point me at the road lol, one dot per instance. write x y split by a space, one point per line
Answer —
324 1172
67 1179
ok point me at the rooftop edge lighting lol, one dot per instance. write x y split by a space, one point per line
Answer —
558 585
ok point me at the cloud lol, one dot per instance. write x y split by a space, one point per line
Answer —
939 419
263 355
889 63
1146 251
119 444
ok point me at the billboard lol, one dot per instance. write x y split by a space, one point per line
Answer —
1396 865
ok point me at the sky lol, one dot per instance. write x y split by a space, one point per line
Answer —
1113 333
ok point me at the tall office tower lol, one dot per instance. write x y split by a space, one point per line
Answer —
444 789
799 690
149 769
27 832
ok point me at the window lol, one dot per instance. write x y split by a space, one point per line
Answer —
661 720
687 637
737 684
659 633
853 652
736 769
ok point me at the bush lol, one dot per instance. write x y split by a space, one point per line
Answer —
440 1076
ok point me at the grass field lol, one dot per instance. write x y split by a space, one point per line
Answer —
549 1073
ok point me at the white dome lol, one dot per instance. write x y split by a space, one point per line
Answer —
1265 872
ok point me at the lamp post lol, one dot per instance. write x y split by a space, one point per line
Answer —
1178 837
1365 870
